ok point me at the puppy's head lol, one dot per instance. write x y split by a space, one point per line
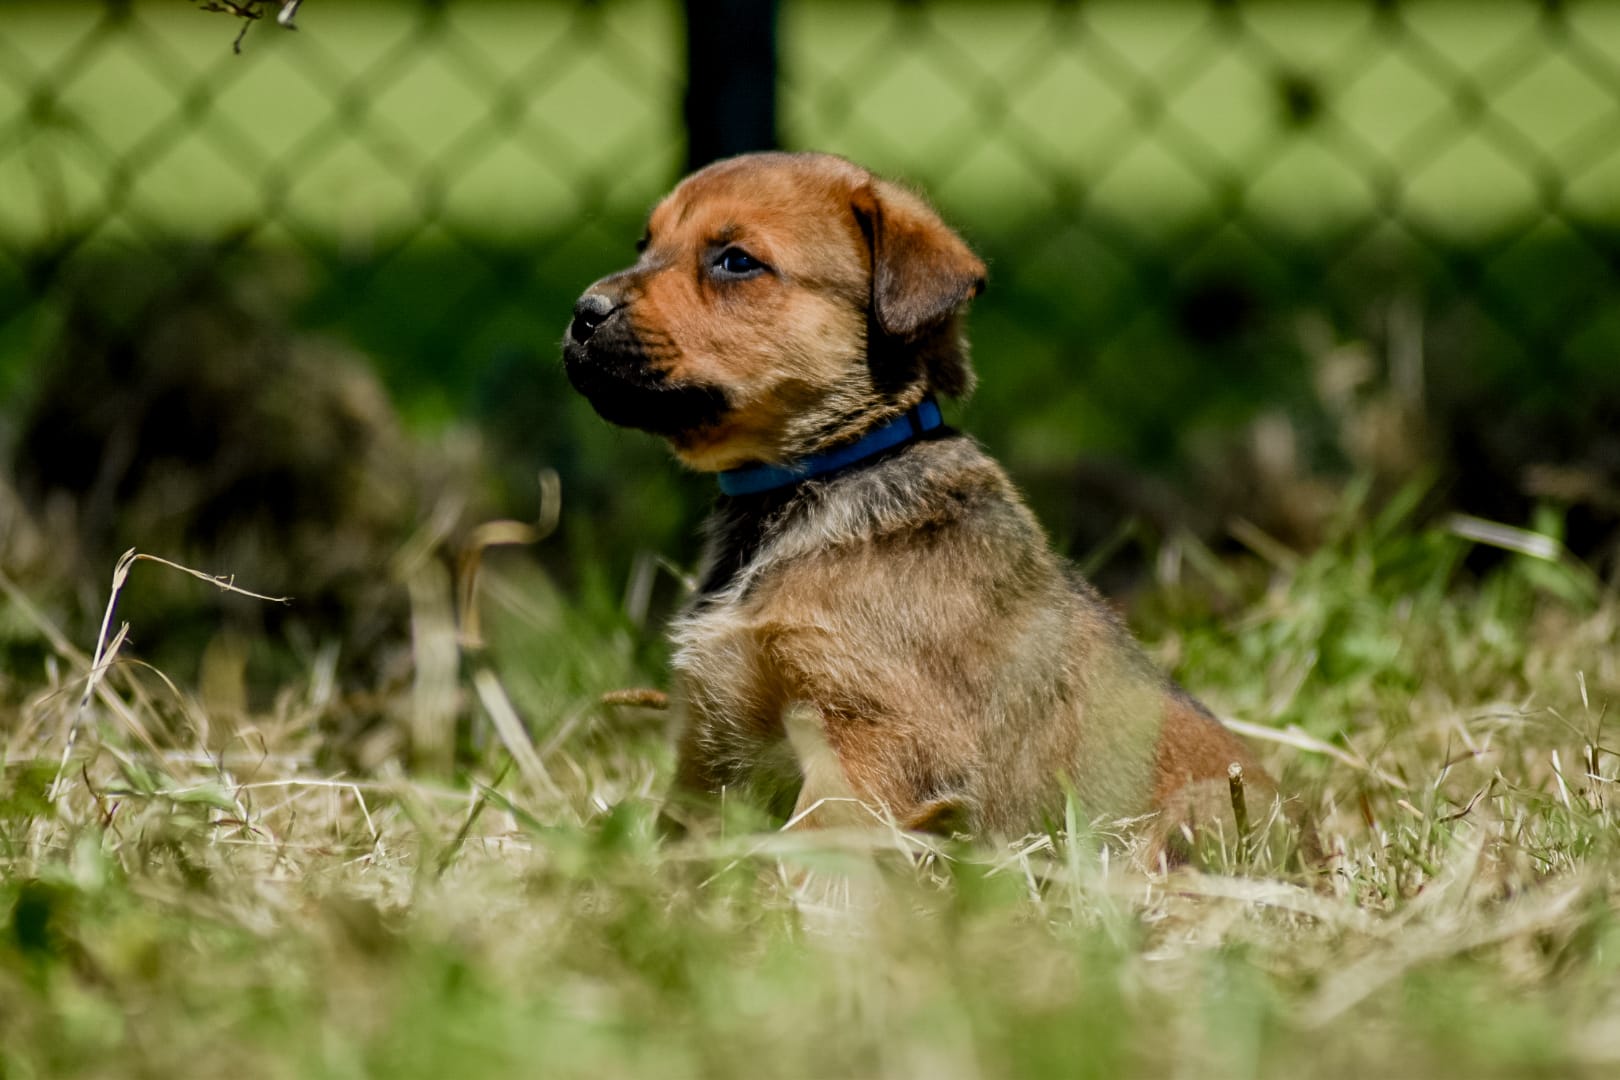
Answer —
782 303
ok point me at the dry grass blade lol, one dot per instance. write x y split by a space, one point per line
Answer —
1301 740
98 661
223 582
1529 915
1506 537
1263 544
107 649
1271 894
512 733
497 534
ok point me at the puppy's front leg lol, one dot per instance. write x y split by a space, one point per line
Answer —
826 799
714 766
828 895
692 794
834 796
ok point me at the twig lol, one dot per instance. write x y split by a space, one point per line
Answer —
248 11
1240 807
638 698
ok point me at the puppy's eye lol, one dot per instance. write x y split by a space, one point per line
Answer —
736 262
641 245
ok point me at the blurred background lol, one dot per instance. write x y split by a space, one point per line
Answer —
292 312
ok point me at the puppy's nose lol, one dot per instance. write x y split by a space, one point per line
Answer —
590 311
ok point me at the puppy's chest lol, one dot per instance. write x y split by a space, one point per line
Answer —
723 671
726 666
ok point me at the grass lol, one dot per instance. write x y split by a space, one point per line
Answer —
188 889
192 884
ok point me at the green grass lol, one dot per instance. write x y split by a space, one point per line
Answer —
200 895
189 884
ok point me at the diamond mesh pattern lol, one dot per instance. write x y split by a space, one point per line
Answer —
1161 187
419 156
1164 185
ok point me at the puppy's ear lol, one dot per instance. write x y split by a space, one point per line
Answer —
921 270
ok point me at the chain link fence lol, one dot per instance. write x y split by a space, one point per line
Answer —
1193 211
442 159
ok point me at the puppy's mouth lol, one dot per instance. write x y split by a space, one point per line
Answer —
624 389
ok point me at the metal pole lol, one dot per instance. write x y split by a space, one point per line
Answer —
730 78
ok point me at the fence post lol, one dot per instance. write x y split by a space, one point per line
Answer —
730 78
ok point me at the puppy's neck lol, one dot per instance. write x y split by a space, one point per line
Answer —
876 439
898 374
901 489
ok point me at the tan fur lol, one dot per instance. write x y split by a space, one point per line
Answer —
962 676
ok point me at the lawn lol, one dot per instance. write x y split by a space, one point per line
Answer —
194 887
247 863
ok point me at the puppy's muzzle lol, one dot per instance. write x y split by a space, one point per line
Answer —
590 312
606 360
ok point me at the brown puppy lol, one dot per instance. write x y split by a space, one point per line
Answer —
871 574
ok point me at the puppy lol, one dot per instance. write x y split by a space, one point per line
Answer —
874 591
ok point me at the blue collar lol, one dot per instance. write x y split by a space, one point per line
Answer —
753 479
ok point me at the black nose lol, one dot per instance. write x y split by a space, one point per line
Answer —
590 311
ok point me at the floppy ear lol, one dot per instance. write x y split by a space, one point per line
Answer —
921 270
